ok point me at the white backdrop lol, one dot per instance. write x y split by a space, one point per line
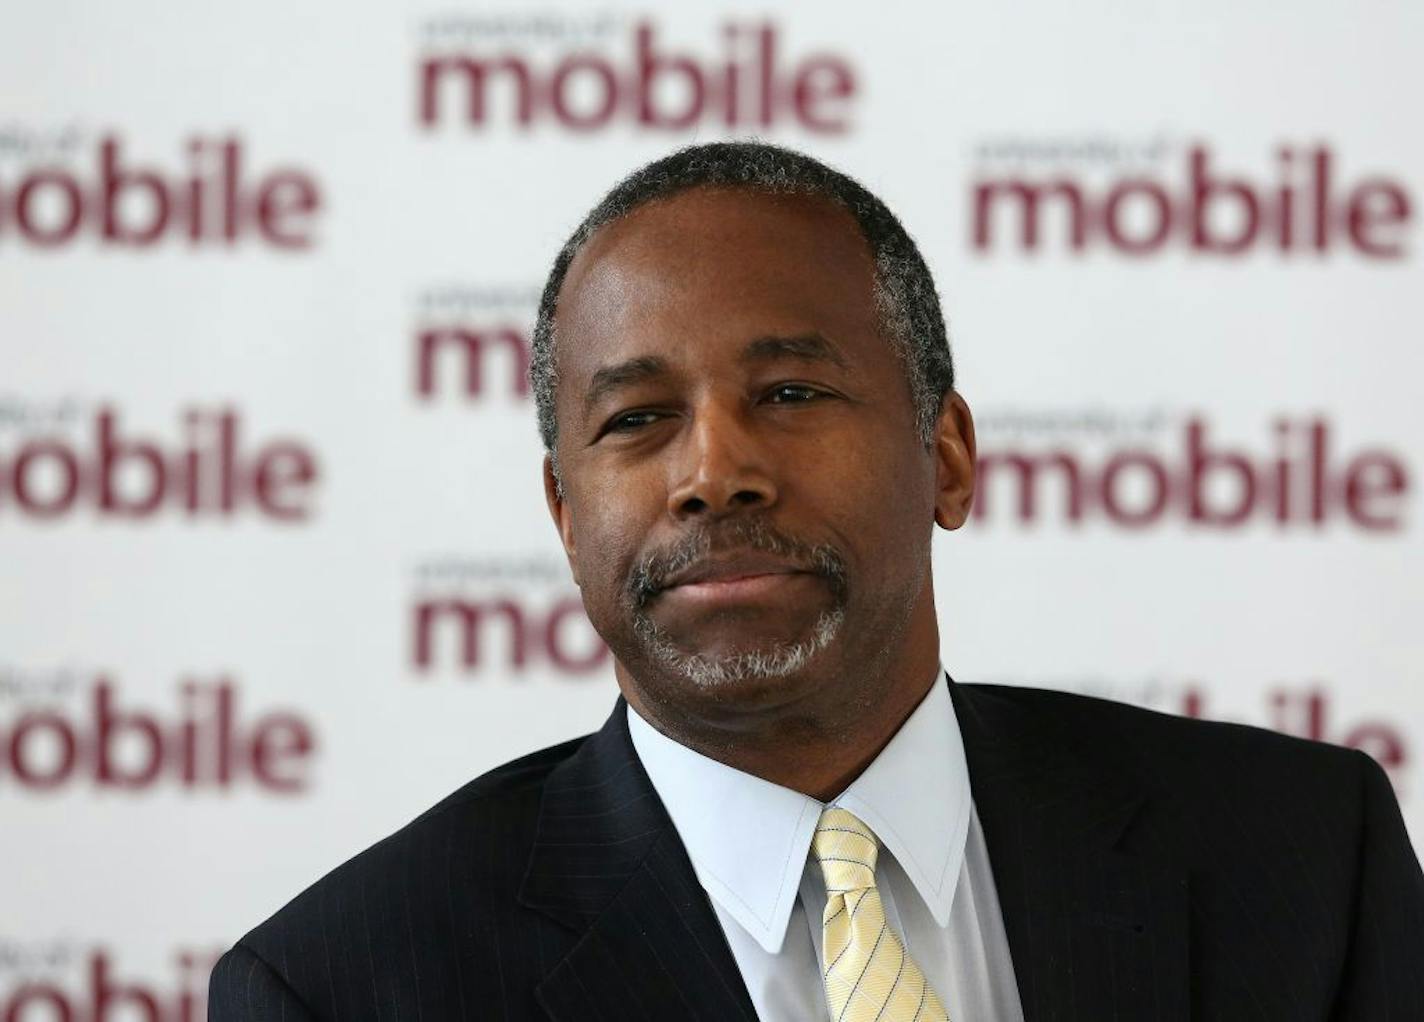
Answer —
263 247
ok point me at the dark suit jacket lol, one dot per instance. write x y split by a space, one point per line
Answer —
1150 869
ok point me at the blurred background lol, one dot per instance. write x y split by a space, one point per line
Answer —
275 569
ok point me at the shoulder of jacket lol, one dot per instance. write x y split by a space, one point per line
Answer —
1173 744
501 806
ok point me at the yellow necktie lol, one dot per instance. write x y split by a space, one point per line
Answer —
869 975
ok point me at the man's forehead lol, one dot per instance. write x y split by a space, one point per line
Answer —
735 249
691 227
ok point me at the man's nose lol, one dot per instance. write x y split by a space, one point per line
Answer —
723 468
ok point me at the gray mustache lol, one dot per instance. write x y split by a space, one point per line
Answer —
649 576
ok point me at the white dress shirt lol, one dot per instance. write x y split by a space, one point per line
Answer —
750 840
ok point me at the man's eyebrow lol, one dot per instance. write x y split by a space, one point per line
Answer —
810 347
622 374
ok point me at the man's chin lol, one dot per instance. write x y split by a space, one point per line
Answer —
740 661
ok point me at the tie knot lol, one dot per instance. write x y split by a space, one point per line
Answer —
846 849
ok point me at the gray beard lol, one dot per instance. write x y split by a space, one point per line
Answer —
705 671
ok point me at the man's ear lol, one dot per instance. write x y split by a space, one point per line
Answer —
954 462
559 511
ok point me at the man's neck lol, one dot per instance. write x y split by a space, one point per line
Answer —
824 765
819 750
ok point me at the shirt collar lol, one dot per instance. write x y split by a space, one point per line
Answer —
748 838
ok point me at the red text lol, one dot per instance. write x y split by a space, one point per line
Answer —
747 85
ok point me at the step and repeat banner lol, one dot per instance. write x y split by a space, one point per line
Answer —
275 568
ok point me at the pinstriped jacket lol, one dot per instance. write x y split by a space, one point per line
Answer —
1149 868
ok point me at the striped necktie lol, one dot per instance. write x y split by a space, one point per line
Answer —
869 975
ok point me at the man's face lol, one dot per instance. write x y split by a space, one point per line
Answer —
746 503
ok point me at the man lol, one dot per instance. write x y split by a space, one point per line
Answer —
747 401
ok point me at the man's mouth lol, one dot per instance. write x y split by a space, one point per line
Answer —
738 578
753 564
728 569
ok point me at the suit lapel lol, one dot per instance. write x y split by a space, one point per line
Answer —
1095 933
608 864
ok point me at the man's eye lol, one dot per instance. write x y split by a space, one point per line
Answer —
793 393
629 421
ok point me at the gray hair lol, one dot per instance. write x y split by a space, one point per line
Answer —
905 295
